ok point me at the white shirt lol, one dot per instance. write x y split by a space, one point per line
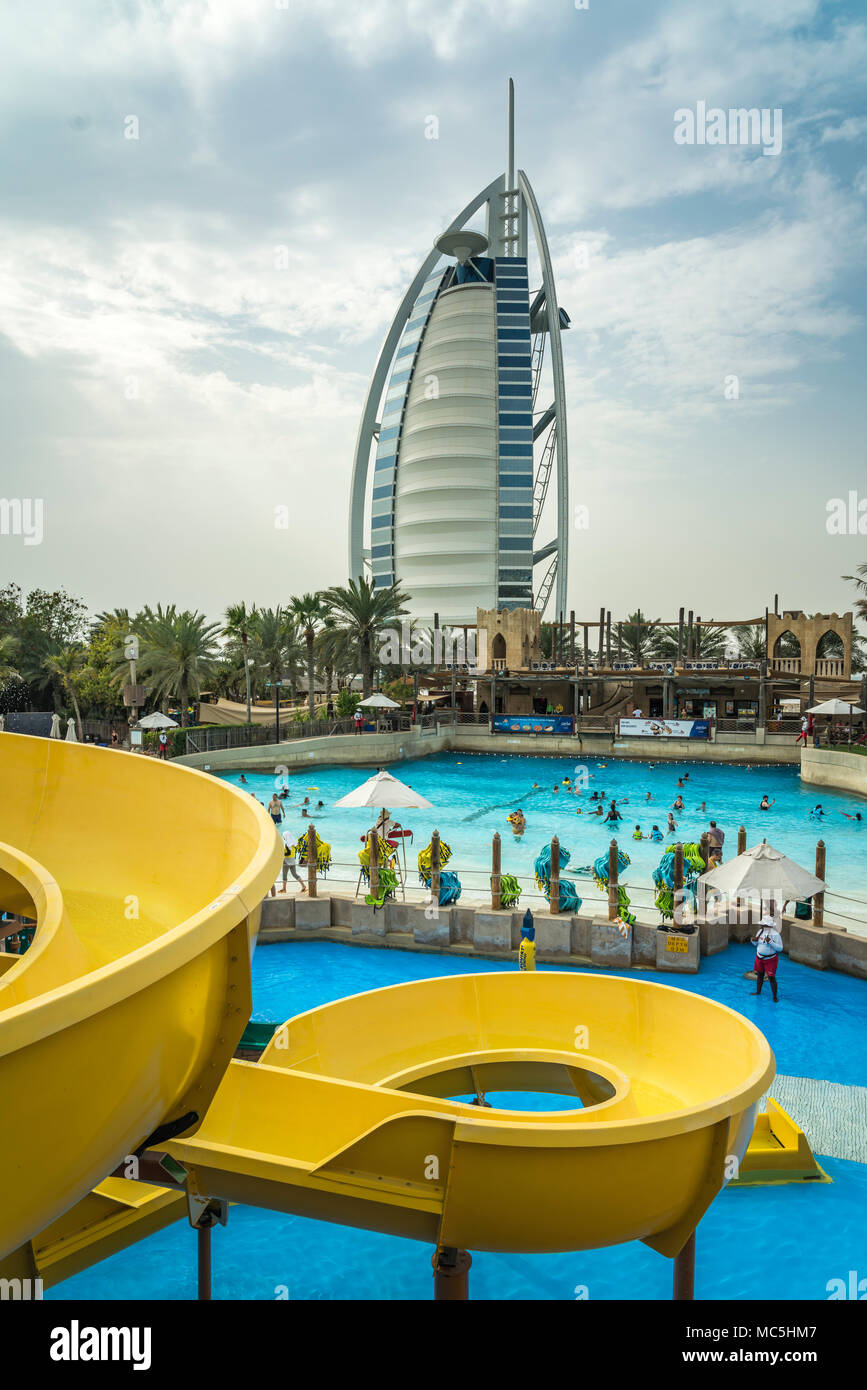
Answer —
769 942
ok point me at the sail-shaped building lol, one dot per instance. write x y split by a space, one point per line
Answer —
455 448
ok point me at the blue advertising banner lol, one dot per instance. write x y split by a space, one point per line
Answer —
532 724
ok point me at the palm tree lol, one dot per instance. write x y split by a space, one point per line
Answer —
638 641
337 652
362 610
308 611
713 642
178 653
64 664
750 638
240 622
859 579
276 645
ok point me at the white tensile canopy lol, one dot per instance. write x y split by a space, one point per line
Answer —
378 702
157 721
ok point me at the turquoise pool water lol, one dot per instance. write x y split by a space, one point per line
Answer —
772 1243
473 793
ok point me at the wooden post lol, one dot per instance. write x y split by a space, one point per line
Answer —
638 638
679 661
678 884
689 636
819 899
619 641
742 839
554 902
311 860
374 863
763 699
683 1283
601 637
586 653
608 639
435 866
572 638
612 880
496 882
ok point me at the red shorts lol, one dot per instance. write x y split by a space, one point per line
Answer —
766 965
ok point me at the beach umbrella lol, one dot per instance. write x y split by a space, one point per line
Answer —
157 721
835 707
384 790
55 727
763 871
70 731
378 702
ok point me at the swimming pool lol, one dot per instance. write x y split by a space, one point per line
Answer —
776 1242
472 794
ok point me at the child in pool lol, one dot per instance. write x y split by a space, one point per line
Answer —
656 833
636 834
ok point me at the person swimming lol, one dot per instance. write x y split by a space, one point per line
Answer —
817 810
672 824
649 796
677 804
613 813
243 779
765 804
656 833
850 816
636 834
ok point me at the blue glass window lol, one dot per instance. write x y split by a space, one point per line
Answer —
379 492
517 512
516 450
504 334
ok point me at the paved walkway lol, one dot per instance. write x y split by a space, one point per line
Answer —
832 1116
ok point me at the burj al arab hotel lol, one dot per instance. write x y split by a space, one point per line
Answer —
464 426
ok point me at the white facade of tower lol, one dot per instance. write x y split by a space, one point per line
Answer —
445 531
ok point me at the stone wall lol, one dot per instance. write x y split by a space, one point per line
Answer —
568 940
823 767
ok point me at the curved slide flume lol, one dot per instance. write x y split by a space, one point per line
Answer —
146 882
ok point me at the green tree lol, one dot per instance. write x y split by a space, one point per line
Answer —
750 640
364 611
310 612
178 654
859 579
239 626
276 645
711 642
65 664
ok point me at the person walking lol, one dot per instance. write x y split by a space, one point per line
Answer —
358 719
805 729
290 866
769 945
275 809
163 751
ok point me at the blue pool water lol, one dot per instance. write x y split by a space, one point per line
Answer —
765 1243
473 793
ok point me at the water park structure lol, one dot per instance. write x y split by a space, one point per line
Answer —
118 1027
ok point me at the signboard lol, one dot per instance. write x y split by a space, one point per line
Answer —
664 728
532 723
677 944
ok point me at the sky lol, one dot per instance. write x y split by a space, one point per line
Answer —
209 213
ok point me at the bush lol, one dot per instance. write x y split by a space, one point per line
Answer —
345 703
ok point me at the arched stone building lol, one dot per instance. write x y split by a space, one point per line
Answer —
811 635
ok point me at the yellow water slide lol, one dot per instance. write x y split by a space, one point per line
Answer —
116 1031
146 882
